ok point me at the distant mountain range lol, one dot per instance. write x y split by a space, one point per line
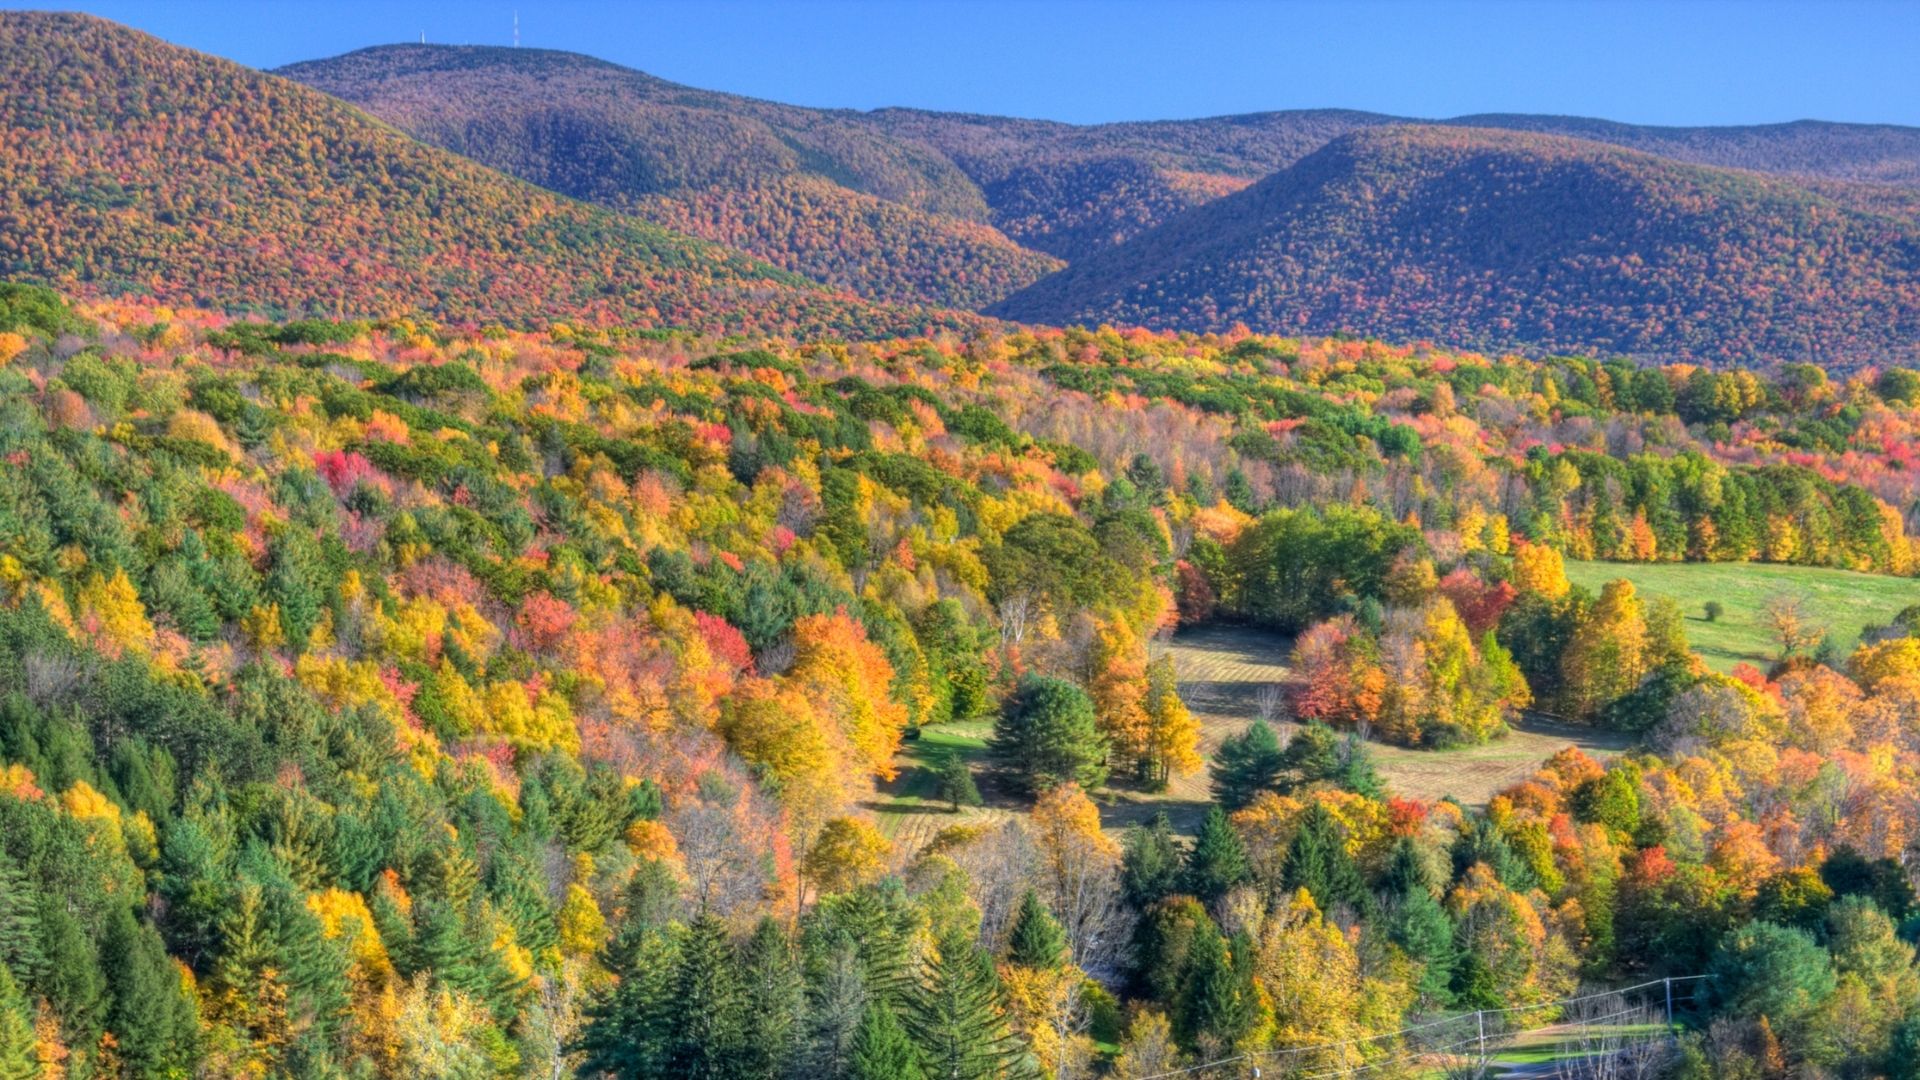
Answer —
131 165
1500 231
135 165
1486 238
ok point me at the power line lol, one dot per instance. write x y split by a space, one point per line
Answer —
1479 1016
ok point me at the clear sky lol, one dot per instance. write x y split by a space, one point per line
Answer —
1673 62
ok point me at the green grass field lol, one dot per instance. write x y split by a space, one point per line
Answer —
1839 600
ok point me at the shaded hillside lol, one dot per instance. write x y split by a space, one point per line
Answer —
857 242
1504 239
820 193
135 166
694 158
729 168
1869 153
1072 190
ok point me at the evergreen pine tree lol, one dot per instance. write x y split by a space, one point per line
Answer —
1473 984
879 921
1212 1009
19 923
70 978
1417 923
704 1015
1313 754
19 1057
773 998
520 897
1406 870
1037 940
1357 772
957 1018
1482 842
1150 869
1317 861
1047 734
1247 764
150 1017
836 1005
1217 862
625 1032
954 781
882 1050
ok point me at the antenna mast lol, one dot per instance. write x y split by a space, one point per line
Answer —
516 28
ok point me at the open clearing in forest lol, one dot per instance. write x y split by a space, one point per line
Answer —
1838 600
1223 671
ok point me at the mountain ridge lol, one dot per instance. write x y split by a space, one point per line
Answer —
135 165
1501 239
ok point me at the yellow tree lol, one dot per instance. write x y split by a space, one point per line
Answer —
1311 977
848 678
1529 959
1174 742
1538 568
848 853
1119 691
1607 654
1079 867
805 758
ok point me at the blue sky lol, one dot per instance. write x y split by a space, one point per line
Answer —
1678 62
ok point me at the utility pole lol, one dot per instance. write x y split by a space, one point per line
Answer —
1669 984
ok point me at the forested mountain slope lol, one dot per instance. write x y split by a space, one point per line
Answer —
1507 239
132 165
818 192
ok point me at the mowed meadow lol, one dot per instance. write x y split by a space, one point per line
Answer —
1839 602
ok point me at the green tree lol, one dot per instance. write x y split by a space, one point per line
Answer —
1215 1004
1218 861
1779 972
626 1029
1150 866
1317 861
1417 923
705 1015
1246 764
19 923
150 1015
18 1057
773 999
882 1050
953 780
1314 754
1612 799
958 1016
1037 940
1047 735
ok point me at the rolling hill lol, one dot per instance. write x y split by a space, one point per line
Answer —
132 165
1505 239
1533 239
821 193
